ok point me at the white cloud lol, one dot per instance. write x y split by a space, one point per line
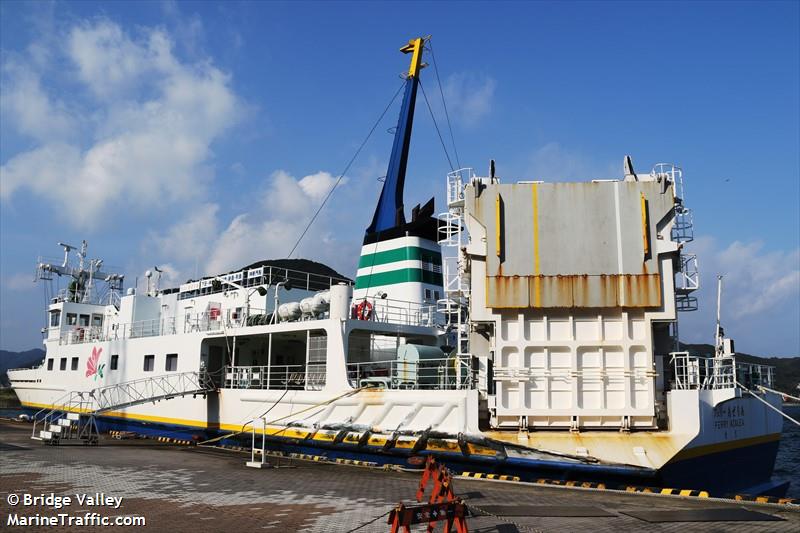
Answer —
270 231
318 185
756 281
109 62
760 299
152 119
469 96
25 102
189 240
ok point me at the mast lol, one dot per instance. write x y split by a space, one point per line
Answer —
390 212
719 332
401 260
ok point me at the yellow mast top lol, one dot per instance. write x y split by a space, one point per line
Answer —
414 47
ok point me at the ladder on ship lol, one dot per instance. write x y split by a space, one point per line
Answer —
455 304
74 415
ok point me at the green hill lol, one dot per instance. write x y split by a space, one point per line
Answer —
25 359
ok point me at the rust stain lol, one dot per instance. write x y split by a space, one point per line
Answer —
574 291
507 292
643 290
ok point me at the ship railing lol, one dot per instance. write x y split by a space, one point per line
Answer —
450 373
155 388
455 184
269 276
400 312
752 375
81 334
275 377
699 372
132 330
152 328
204 321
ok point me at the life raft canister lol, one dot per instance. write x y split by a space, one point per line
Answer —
364 310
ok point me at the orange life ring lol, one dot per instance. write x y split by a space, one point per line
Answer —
364 310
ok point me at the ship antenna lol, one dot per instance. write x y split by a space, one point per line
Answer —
719 332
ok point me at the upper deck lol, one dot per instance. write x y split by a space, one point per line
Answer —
237 302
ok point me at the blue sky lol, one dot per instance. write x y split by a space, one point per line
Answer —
201 136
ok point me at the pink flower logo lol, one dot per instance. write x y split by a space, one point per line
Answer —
92 368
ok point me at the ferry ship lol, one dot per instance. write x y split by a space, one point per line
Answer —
529 329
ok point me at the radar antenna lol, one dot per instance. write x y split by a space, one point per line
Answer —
84 275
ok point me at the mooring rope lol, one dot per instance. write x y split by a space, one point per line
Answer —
795 398
327 402
765 402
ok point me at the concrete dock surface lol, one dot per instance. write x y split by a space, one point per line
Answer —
187 488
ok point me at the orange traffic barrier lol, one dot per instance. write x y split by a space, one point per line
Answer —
442 506
452 513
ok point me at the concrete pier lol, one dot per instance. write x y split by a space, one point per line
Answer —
185 488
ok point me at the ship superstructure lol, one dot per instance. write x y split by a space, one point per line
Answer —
543 340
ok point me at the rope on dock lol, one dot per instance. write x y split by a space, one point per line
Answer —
765 402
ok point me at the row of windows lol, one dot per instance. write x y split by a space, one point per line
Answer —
74 319
171 363
63 365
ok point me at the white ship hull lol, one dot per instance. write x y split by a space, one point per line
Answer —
714 426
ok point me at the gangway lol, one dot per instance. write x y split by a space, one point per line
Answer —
73 416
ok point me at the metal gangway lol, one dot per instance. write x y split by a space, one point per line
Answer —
73 416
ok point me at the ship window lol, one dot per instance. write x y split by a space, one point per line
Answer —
72 319
172 362
317 357
114 362
55 318
63 364
149 363
84 321
49 364
74 363
427 294
97 321
436 295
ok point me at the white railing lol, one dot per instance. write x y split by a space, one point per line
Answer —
696 372
382 310
400 312
269 276
455 184
426 374
143 328
275 377
165 386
